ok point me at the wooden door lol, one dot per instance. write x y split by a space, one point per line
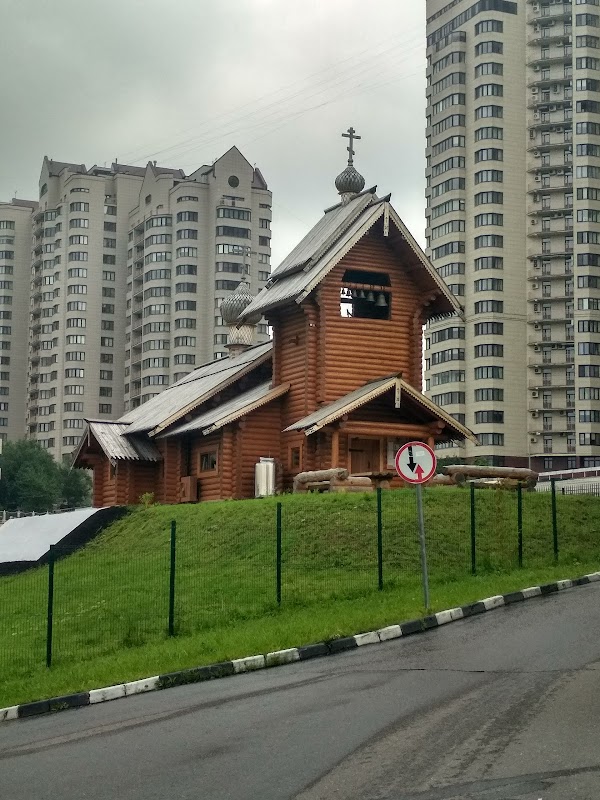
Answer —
364 455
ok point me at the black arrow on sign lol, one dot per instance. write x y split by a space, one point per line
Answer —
411 462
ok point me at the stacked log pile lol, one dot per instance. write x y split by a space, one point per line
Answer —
332 480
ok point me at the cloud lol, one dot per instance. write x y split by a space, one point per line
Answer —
181 82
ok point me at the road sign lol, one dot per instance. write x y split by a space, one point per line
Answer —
415 462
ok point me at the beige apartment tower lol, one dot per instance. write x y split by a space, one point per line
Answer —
15 267
122 272
513 225
190 242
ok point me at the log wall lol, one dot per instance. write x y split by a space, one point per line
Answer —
259 435
356 350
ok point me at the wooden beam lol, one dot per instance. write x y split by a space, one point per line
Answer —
335 446
389 429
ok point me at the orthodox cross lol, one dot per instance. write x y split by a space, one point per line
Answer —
352 136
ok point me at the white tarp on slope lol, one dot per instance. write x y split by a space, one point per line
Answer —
29 538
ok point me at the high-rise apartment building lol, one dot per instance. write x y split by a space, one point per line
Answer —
77 304
513 216
191 239
15 268
126 269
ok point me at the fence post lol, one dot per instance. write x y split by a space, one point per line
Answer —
520 522
554 519
50 607
278 557
172 579
473 530
379 541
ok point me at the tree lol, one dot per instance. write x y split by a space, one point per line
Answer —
32 481
76 487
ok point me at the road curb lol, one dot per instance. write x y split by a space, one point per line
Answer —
289 655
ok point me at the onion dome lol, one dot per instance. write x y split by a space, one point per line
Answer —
350 181
236 303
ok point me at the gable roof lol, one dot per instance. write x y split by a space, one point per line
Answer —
370 391
232 410
114 445
191 391
332 238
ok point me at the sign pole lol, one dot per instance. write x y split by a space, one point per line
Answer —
416 464
424 573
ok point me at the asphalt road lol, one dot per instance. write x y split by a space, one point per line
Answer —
503 706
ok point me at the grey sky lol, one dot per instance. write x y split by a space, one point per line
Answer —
180 81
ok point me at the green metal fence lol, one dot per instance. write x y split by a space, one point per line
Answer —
200 576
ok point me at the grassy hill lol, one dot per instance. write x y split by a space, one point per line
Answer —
111 598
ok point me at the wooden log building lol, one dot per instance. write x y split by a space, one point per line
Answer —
338 386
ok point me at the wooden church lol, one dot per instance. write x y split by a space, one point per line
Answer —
338 386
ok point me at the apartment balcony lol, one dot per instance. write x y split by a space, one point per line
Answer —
556 12
550 35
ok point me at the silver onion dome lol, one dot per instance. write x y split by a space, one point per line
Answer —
350 181
236 303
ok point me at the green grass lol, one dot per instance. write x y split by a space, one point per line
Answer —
111 598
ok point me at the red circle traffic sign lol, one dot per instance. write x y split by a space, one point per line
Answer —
415 462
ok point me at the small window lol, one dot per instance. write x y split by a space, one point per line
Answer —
295 458
208 461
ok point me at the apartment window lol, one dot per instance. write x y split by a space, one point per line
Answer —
485 112
79 207
77 305
78 255
448 249
488 68
107 341
187 216
488 198
453 121
587 20
488 219
489 132
105 408
489 417
489 26
187 198
158 222
108 276
486 395
489 176
456 99
157 291
587 41
158 238
185 252
190 341
108 259
489 90
187 233
186 269
162 255
587 107
489 154
227 212
76 322
485 48
488 240
110 211
185 287
452 354
495 439
448 398
185 322
489 307
74 389
453 268
489 285
157 275
489 329
186 305
449 185
105 391
489 351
